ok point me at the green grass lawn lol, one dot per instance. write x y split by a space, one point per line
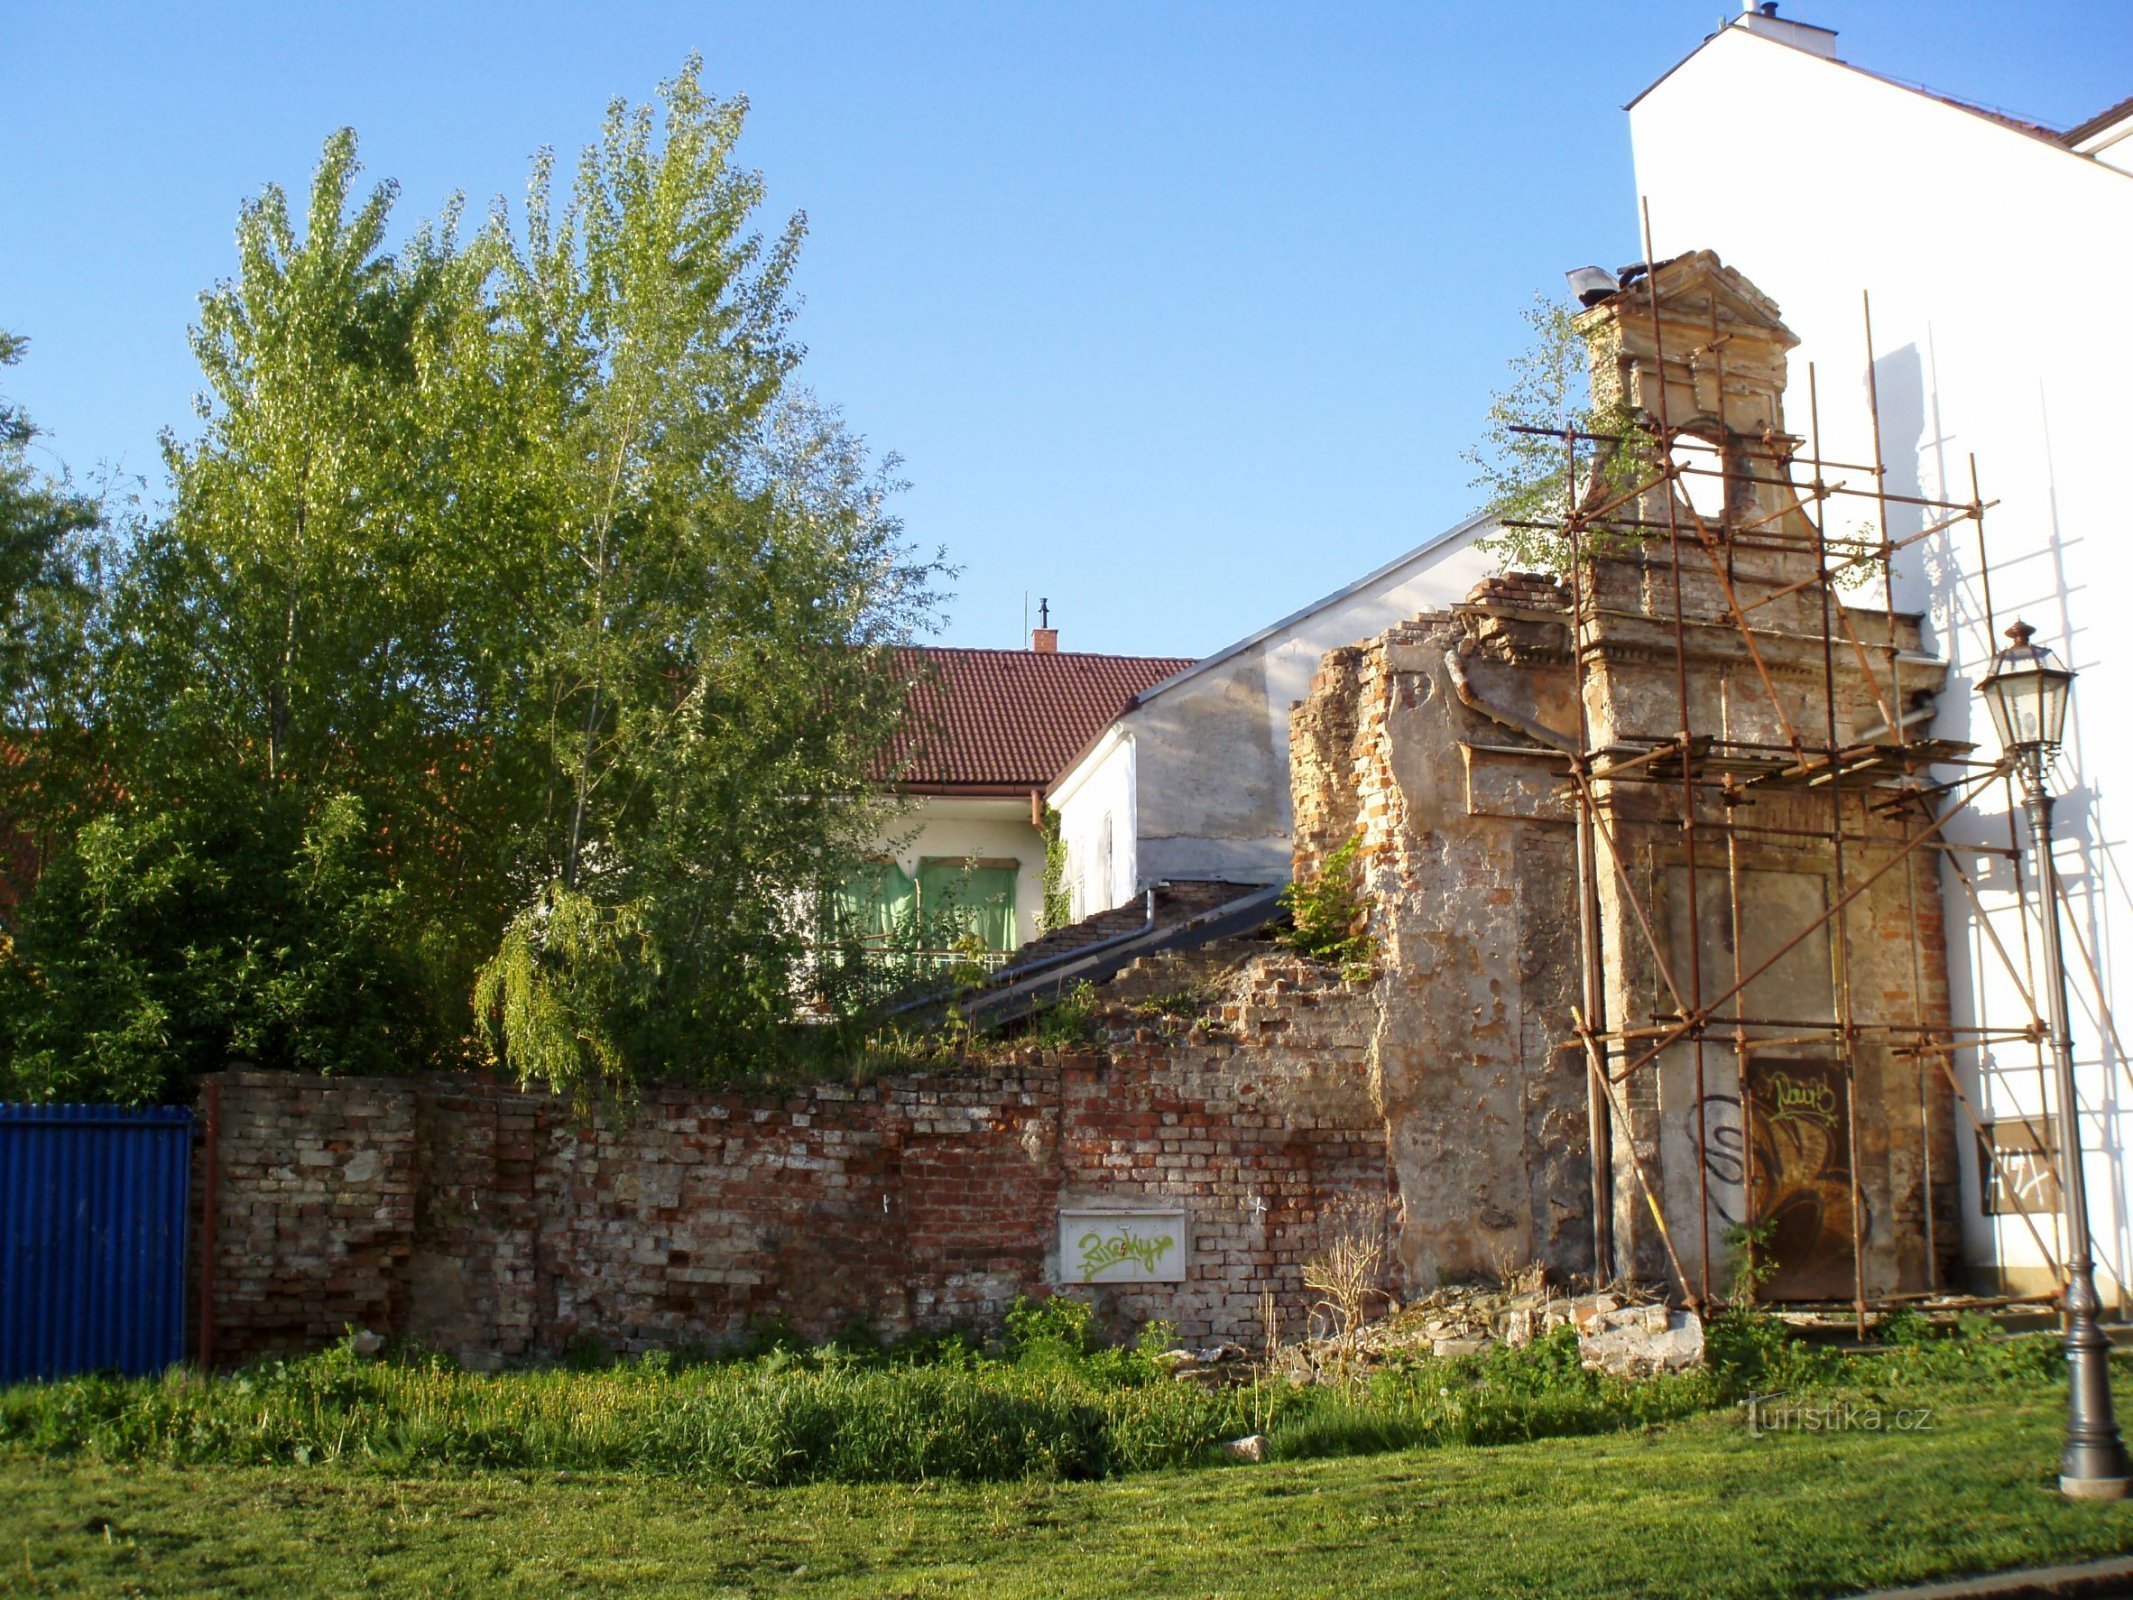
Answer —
1694 1508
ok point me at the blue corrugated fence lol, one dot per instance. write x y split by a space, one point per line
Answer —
93 1202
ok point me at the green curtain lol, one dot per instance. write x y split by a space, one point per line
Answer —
957 898
877 904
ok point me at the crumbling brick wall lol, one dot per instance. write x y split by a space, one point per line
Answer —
1321 753
1469 873
315 1216
492 1224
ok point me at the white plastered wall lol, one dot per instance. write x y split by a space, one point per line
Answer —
1096 824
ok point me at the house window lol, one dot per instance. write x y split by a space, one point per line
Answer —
963 897
1101 899
877 905
2025 1178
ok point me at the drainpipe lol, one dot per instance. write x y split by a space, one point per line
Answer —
1472 700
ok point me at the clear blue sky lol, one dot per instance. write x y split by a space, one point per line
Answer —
1179 314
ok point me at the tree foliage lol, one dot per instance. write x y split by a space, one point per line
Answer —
513 574
53 553
1329 913
1536 477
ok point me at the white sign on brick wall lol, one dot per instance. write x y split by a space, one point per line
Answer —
1119 1246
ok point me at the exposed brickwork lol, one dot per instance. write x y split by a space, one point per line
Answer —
1321 750
489 1223
317 1209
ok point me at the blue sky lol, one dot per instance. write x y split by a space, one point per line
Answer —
1178 314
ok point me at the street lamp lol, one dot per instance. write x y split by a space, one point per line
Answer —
2026 694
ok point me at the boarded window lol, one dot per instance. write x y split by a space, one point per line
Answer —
2025 1177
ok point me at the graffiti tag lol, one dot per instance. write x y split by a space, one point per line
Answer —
1099 1252
1802 1099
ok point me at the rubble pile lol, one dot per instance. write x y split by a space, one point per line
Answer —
1624 1330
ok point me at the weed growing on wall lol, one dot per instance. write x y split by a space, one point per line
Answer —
1071 1019
1534 477
1058 909
1327 914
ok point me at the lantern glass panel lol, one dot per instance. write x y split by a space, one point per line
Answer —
2026 694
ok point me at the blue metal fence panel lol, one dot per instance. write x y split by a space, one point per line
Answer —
93 1203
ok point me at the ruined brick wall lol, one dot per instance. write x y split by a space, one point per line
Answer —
1471 880
316 1212
1321 751
491 1224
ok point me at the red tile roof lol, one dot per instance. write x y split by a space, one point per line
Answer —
1007 720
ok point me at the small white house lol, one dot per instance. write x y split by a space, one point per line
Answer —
1190 780
985 732
1994 256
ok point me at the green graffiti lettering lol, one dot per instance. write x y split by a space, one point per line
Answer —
1806 1099
1098 1252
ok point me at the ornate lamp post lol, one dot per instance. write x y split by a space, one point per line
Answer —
2026 693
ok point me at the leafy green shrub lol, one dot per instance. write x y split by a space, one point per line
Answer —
163 945
1751 1349
1069 1020
1905 1326
1058 1330
1327 914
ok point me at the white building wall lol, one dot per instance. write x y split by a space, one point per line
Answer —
1997 266
1208 784
1096 824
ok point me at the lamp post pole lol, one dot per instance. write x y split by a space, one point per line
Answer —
2026 691
2093 1464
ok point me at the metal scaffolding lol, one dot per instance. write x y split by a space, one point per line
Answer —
1873 810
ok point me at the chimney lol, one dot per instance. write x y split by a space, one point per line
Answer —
1044 638
1761 17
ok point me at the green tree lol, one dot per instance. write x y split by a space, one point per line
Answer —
167 943
53 550
508 667
725 581
325 612
1527 472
